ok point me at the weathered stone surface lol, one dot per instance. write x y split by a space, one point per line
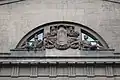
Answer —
19 18
61 53
60 71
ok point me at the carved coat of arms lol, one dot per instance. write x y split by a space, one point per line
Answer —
62 37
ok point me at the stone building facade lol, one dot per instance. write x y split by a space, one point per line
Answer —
59 40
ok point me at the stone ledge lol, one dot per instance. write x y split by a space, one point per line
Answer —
62 53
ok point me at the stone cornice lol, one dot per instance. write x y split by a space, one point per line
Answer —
60 60
41 57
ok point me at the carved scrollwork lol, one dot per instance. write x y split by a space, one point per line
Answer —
62 47
74 43
50 43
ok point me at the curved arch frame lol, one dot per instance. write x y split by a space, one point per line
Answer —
91 32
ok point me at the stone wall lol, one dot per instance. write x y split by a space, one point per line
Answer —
17 19
59 72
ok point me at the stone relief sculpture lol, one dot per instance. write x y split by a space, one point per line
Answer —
73 40
50 38
27 46
61 37
71 32
37 44
62 42
86 45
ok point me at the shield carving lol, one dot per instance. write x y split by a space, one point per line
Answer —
61 42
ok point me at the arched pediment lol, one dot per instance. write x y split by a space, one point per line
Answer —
62 35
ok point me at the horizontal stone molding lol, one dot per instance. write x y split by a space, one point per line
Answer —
60 70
